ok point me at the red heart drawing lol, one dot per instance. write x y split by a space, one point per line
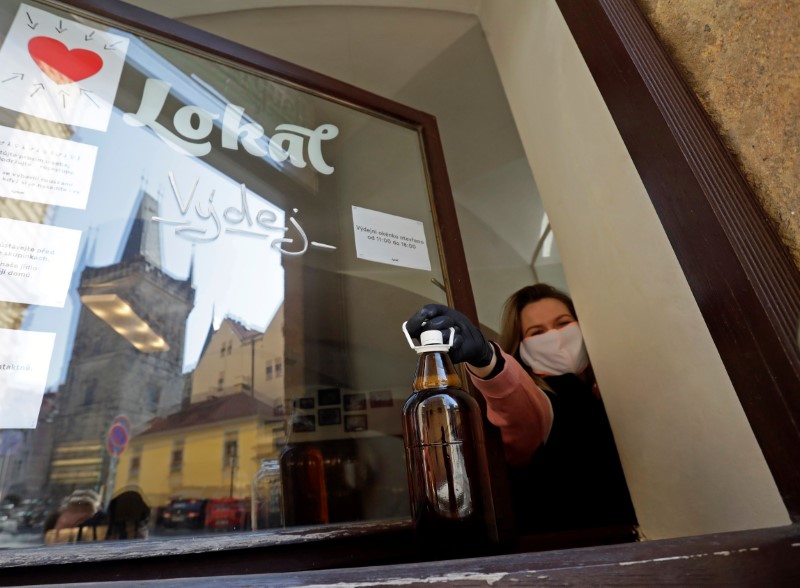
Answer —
62 65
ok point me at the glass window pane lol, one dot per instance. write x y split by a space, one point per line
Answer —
205 268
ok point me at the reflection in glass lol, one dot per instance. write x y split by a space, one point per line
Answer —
267 510
218 304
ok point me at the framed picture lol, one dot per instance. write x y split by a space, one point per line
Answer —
355 402
305 403
329 396
380 399
329 416
304 423
355 422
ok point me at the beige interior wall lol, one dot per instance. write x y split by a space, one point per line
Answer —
690 457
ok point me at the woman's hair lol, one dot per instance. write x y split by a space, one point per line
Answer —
510 328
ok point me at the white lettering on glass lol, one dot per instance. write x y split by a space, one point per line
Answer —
233 216
194 124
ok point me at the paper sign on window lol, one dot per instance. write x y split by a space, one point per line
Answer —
24 363
36 262
60 70
45 169
390 239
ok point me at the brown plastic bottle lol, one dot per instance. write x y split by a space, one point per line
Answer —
448 474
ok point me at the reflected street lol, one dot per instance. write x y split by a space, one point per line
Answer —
20 539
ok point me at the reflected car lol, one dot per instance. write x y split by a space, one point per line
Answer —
228 514
184 513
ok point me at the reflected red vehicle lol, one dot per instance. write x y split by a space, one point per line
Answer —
228 514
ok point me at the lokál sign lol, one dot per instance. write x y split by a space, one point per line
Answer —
193 125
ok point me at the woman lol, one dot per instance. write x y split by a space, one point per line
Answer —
540 391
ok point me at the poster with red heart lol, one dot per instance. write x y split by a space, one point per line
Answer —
60 70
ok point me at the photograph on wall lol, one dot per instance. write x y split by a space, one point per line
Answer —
329 416
329 396
304 423
380 399
355 422
304 403
355 402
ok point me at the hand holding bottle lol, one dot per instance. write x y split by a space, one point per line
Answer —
469 344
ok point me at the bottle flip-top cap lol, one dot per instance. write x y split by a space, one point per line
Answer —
430 340
432 337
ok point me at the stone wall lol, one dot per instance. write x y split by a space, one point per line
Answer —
742 59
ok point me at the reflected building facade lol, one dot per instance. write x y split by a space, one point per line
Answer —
237 359
212 446
210 449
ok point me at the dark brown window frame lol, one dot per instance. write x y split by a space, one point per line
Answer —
745 283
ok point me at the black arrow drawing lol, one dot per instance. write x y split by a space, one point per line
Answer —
112 45
14 77
60 28
87 94
31 24
89 36
38 87
64 94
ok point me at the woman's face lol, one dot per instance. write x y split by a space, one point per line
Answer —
543 315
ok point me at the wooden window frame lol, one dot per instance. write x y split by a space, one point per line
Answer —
745 283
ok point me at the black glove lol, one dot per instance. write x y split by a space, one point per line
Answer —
468 342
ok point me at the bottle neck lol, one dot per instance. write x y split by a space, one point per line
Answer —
435 370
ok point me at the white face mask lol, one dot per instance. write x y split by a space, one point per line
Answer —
556 352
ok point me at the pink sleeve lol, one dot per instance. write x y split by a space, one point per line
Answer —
519 408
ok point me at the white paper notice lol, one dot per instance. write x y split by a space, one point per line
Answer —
45 169
36 262
390 239
24 363
59 69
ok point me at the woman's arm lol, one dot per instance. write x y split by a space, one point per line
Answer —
518 407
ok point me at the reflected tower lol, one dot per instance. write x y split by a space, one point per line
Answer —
127 355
